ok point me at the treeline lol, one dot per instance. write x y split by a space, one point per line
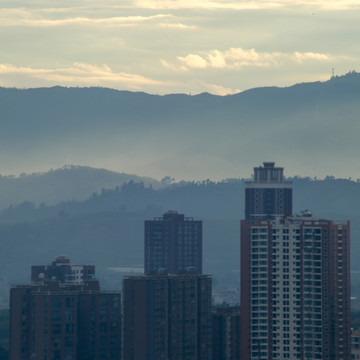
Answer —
206 199
107 229
132 196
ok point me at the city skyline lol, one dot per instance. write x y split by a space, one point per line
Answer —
295 287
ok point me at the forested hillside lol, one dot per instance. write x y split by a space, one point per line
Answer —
107 228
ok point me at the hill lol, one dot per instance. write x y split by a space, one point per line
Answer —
312 127
64 184
107 228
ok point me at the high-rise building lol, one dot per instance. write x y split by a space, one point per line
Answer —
55 320
173 244
167 317
268 195
226 333
295 289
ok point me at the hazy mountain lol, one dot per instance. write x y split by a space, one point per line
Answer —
97 216
65 184
311 126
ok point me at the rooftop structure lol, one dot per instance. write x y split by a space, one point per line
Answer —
268 195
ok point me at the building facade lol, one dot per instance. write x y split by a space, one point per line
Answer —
173 243
295 289
355 344
226 333
61 270
53 320
167 317
268 195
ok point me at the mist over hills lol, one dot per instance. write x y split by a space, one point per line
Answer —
311 127
97 216
64 184
107 228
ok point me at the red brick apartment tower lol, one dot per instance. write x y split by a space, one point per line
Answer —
167 317
295 289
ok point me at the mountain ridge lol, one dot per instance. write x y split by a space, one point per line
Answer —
189 137
68 183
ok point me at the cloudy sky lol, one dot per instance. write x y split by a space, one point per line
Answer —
172 46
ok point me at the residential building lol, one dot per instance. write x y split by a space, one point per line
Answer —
173 244
295 289
61 270
54 320
167 317
355 344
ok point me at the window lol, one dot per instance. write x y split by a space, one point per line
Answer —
69 302
57 302
56 328
69 341
56 316
68 355
104 301
69 328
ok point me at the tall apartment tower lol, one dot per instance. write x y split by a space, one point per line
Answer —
295 289
268 195
63 320
167 317
173 244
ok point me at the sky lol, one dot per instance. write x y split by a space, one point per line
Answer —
176 46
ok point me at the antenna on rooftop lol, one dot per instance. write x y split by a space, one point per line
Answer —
333 73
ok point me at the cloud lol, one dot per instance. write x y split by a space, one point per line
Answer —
237 58
194 61
300 57
80 74
22 17
31 18
205 4
214 89
84 75
178 26
247 5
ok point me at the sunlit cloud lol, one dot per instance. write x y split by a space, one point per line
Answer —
60 7
194 61
205 4
178 26
300 57
238 58
213 88
247 5
21 17
173 67
84 75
